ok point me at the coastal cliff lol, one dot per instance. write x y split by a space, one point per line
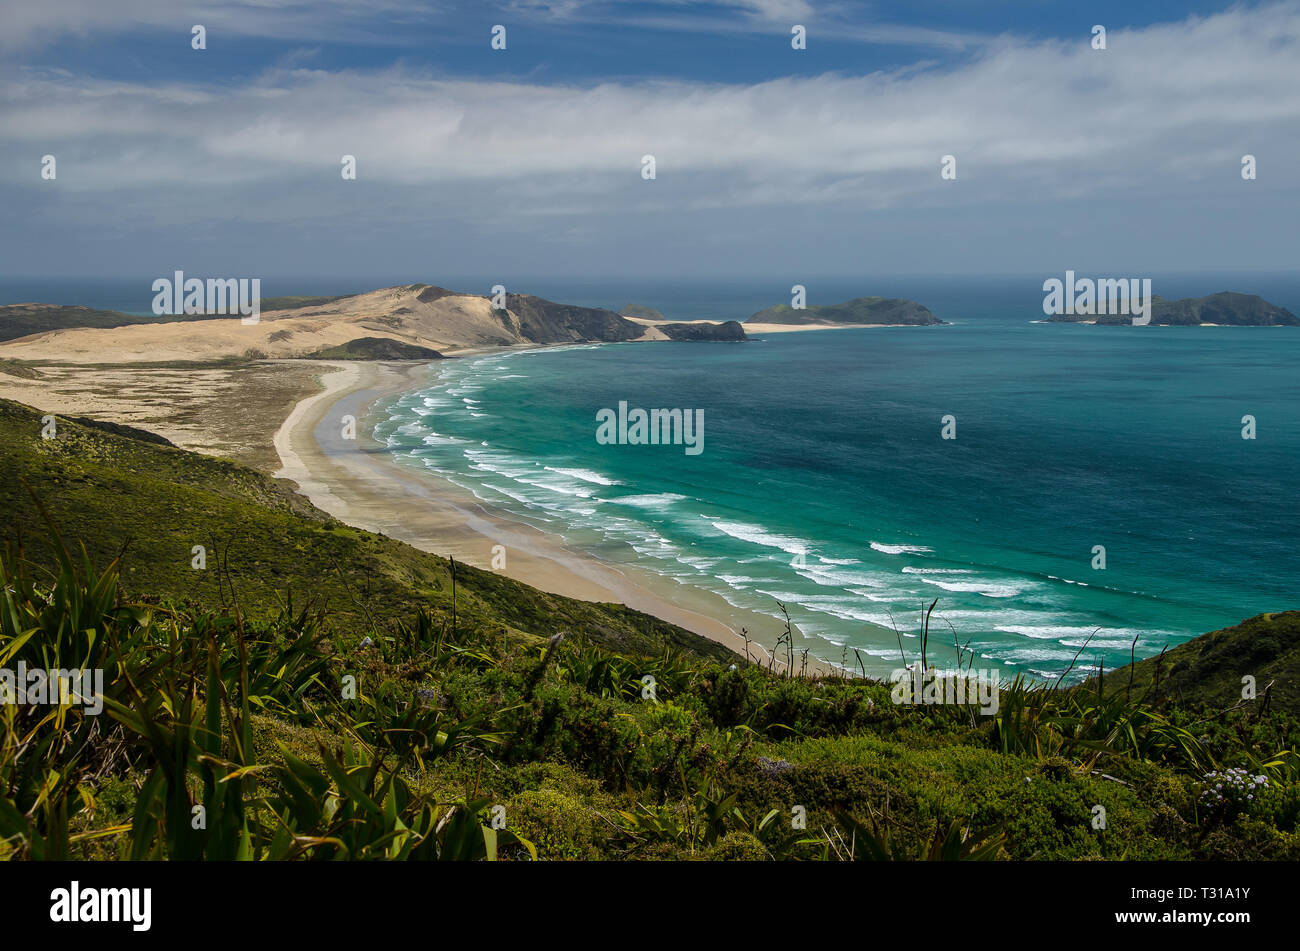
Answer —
544 321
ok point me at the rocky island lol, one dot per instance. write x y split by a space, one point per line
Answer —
1224 309
861 311
730 330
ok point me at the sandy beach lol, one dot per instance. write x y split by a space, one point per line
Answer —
358 483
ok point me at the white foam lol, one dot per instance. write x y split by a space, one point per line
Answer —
738 581
758 535
989 589
562 488
1068 581
654 501
1052 631
878 598
1025 654
845 609
586 475
1101 638
900 549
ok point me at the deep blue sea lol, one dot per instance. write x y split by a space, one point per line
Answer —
824 483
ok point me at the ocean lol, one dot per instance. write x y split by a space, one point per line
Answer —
824 485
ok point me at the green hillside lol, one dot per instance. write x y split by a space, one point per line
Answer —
491 720
376 348
149 504
1207 673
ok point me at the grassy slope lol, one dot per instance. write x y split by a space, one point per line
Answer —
576 754
155 503
375 348
1207 672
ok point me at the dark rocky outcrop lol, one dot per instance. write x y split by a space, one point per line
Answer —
121 429
430 292
729 331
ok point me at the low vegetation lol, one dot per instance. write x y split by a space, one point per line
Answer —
376 348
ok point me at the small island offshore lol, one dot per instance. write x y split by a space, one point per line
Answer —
861 312
1224 309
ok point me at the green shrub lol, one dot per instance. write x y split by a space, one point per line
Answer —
560 826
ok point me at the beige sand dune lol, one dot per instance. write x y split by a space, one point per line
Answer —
423 316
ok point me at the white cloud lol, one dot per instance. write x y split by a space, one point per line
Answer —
785 11
1063 152
1164 104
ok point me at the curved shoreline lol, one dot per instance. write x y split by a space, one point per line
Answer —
358 483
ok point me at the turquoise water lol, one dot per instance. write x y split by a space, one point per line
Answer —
827 444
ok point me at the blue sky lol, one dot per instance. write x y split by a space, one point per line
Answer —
584 42
528 160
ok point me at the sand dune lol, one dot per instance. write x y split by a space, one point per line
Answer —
417 314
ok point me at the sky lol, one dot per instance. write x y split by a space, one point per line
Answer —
769 160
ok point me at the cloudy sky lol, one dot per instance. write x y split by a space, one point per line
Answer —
528 160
